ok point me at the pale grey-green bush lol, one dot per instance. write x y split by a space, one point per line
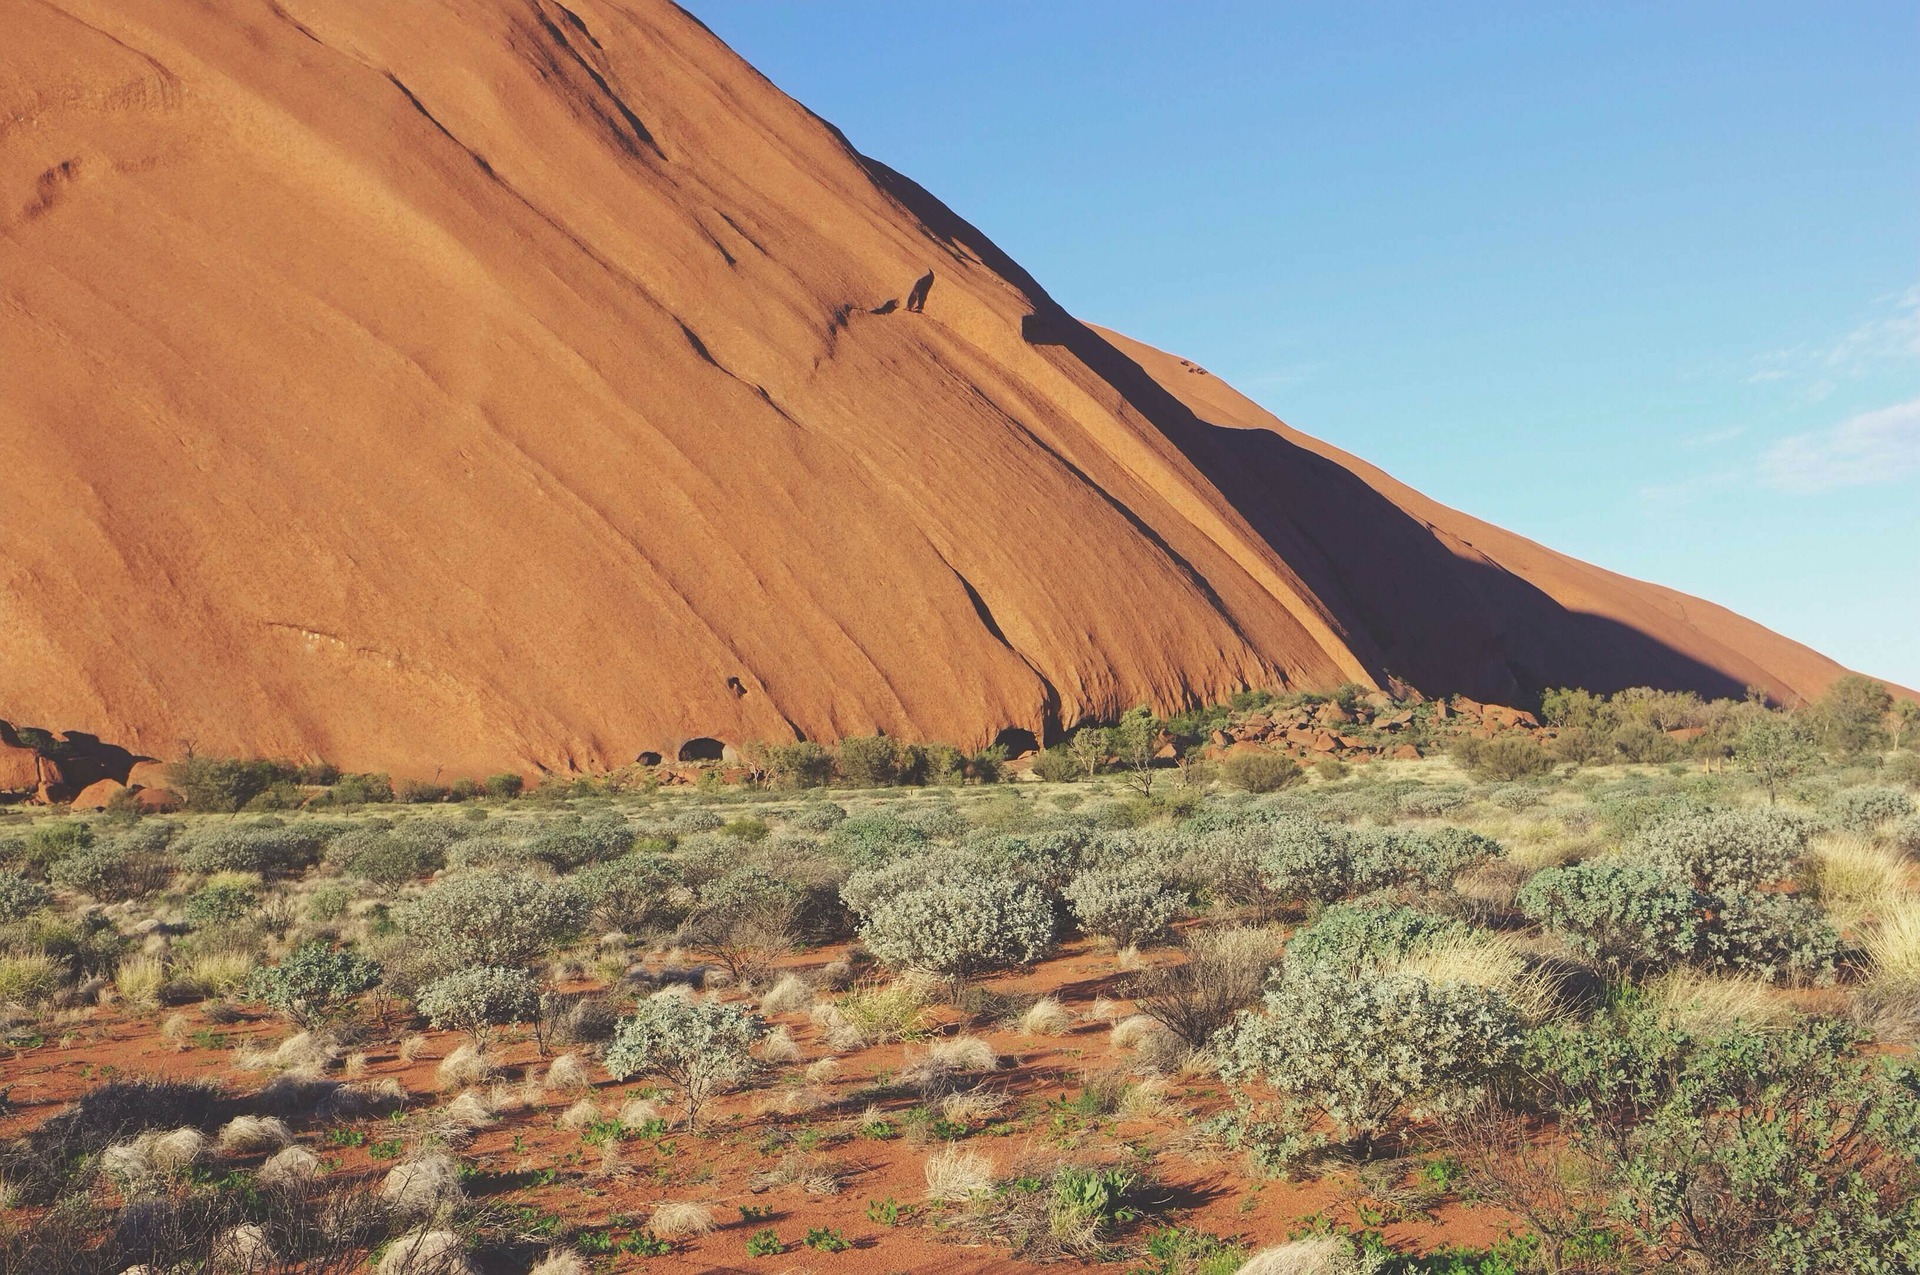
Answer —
1865 808
269 849
477 1000
21 898
817 816
491 919
1623 914
1349 938
1129 902
959 924
1366 1051
702 1046
1725 849
635 891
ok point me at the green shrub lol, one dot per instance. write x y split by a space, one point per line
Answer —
1130 902
1517 796
477 1000
1364 1051
1866 808
1259 772
1508 756
360 790
1057 765
222 784
505 786
631 893
1625 915
959 924
746 828
1350 938
817 816
21 898
491 919
1770 1150
1903 769
387 857
220 904
50 841
802 764
1304 858
871 839
315 984
702 1046
1725 849
568 845
266 848
868 761
109 871
1772 936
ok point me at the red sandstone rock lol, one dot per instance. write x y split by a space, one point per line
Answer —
97 794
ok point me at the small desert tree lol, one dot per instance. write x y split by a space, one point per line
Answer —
1774 746
701 1046
1136 740
1851 717
1089 748
476 1001
316 984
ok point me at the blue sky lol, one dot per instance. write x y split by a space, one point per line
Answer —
1639 281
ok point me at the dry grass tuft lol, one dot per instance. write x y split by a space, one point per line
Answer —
1046 1017
1856 878
561 1261
412 1047
1494 962
876 1013
243 1250
823 1071
426 1253
579 1115
289 1167
1711 1006
1325 1255
678 1219
956 1172
464 1068
779 1046
944 1059
178 1151
139 980
973 1106
635 1112
252 1135
468 1111
1129 1032
422 1186
1894 945
568 1073
789 994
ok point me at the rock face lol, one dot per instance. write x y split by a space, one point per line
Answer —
510 383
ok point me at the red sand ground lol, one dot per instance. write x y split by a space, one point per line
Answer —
488 384
1210 1192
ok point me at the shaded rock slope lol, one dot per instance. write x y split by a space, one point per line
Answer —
475 384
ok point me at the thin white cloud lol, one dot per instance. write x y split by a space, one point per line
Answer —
1888 338
1714 437
1874 447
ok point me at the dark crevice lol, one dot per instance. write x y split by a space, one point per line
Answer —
699 346
640 134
